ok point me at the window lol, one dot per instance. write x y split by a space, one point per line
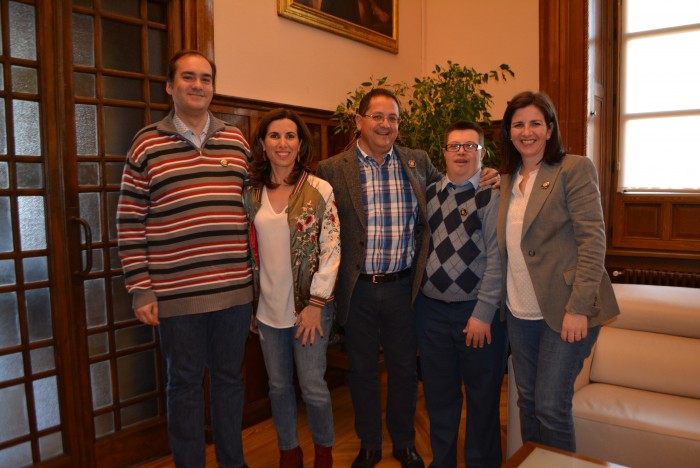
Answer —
660 96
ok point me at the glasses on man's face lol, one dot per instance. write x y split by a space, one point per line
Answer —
379 118
468 147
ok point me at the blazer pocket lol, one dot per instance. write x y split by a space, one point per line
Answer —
569 276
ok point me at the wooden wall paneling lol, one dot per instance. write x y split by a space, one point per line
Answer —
563 66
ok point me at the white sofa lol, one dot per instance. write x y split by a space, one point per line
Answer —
637 398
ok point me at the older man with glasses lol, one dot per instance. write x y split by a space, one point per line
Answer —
380 192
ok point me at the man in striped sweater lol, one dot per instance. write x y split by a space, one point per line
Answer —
183 246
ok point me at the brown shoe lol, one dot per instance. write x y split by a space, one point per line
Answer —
324 456
293 458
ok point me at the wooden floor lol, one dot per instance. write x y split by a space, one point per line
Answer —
260 441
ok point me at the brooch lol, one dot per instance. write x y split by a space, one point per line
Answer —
545 185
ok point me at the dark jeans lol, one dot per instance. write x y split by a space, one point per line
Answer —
447 364
189 343
381 316
545 370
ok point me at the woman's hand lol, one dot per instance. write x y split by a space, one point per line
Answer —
308 321
574 328
253 328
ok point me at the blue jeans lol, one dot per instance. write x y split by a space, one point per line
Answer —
281 352
447 363
545 370
189 343
382 317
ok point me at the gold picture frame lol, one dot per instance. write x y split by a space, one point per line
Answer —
374 22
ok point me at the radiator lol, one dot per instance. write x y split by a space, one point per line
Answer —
658 277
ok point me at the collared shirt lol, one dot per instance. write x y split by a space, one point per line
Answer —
390 209
521 298
446 182
186 132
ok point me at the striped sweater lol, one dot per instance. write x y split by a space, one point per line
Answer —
181 227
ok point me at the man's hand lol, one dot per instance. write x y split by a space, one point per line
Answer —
490 176
309 321
574 328
148 314
477 332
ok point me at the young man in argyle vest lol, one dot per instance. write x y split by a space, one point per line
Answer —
461 339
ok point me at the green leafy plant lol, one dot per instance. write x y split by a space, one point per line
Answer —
431 104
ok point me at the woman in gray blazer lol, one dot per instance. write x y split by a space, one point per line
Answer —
551 236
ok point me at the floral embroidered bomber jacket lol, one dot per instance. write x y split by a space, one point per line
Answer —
314 240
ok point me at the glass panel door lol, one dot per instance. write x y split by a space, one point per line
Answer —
119 58
80 382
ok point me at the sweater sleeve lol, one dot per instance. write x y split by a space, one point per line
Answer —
488 297
132 213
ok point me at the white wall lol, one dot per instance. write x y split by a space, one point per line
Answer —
260 55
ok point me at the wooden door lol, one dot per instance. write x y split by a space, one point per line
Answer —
80 379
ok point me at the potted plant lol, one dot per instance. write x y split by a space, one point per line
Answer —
431 104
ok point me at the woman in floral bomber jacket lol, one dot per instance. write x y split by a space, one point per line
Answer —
295 246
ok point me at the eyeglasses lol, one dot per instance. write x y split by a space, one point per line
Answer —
379 118
468 147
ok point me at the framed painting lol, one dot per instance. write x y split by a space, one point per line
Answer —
374 22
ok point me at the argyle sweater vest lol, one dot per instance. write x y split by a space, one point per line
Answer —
457 252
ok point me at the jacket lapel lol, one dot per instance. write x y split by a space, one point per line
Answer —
409 168
543 186
351 170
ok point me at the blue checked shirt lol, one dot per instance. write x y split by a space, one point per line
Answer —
391 209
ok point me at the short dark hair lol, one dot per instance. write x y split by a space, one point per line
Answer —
554 149
465 125
172 66
367 98
260 168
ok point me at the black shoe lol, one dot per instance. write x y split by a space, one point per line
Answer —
408 457
367 458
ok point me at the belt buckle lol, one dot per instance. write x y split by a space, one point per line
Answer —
375 279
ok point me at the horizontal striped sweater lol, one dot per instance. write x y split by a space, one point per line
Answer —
182 231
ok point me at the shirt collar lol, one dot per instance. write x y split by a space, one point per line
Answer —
364 156
184 130
474 180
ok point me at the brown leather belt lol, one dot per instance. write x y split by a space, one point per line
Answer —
385 277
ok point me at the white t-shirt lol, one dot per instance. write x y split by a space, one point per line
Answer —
521 298
276 301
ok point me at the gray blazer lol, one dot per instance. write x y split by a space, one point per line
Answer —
343 173
563 242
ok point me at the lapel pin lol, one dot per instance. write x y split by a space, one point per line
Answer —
545 185
463 212
224 162
411 163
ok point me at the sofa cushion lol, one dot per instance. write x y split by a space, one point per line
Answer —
647 361
638 409
661 309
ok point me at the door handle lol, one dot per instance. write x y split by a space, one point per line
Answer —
88 246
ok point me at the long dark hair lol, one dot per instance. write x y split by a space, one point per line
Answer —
260 168
554 149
